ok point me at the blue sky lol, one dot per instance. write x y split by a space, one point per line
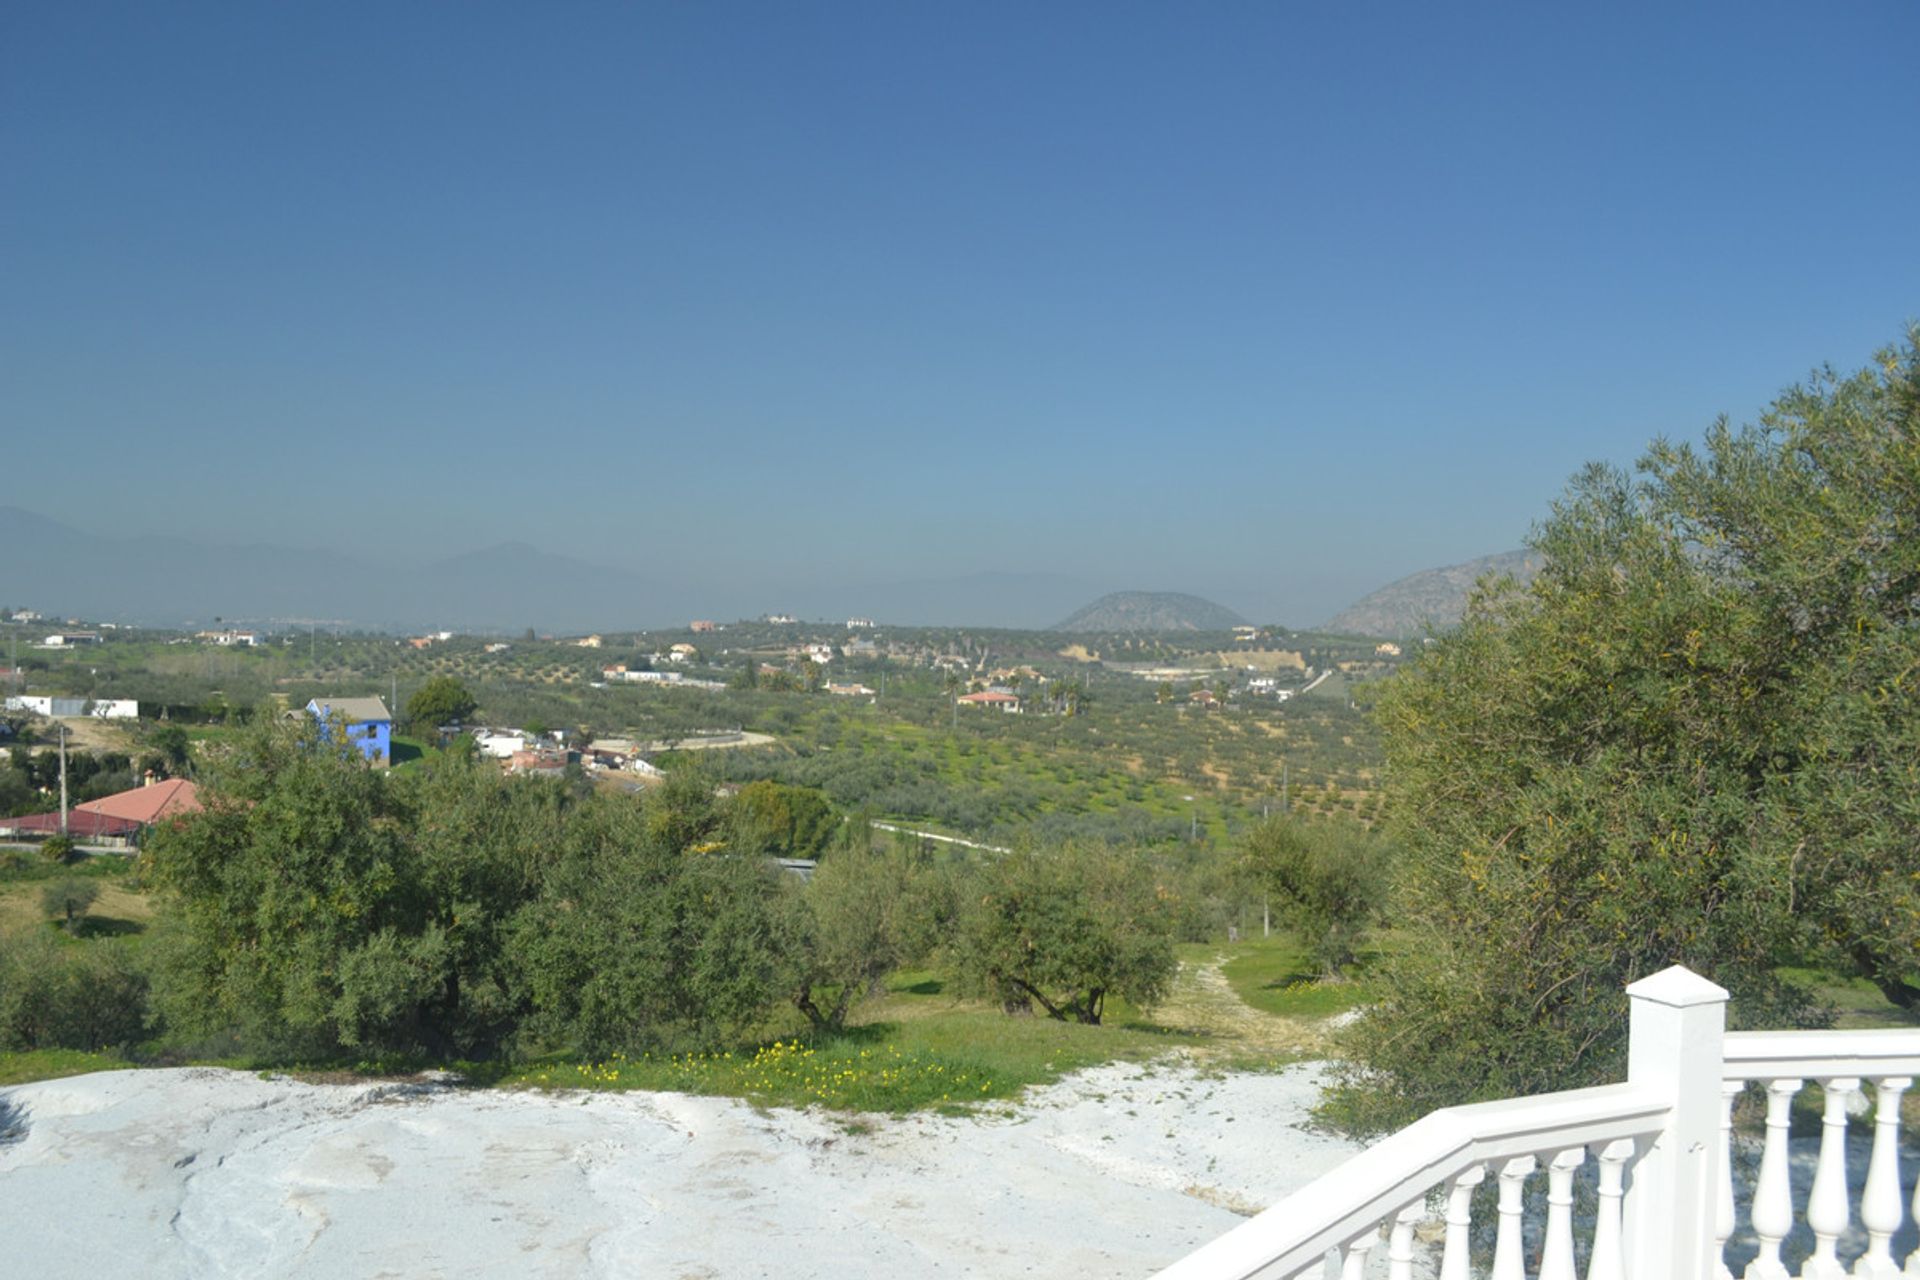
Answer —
1271 302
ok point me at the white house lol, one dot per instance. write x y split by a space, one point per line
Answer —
74 708
500 744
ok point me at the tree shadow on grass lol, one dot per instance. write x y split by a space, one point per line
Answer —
107 927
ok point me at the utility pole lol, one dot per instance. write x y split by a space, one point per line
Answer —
63 777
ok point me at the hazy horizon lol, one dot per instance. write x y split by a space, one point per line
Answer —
1272 305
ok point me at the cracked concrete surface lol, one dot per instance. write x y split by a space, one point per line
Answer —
208 1173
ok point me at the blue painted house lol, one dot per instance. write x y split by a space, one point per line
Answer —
366 721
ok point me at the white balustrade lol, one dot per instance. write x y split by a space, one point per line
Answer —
1454 1257
1880 1198
1556 1256
1400 1242
1608 1260
1354 1264
1508 1243
1827 1203
1663 1150
1772 1195
1723 1210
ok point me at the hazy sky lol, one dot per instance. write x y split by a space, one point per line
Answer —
1272 302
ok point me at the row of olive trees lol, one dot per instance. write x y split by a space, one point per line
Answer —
317 908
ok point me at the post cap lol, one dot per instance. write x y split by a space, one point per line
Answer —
1677 987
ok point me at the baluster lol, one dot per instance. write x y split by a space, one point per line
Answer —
1827 1203
1556 1255
1880 1203
1400 1242
1453 1261
1607 1262
1355 1266
1507 1263
1772 1198
1723 1216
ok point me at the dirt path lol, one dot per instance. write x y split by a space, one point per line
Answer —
1204 1003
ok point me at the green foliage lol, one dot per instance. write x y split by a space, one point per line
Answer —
1064 928
69 898
642 939
1326 880
784 821
55 995
1692 739
861 915
317 905
441 700
59 849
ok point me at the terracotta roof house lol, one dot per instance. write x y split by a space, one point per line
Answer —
991 698
147 805
121 816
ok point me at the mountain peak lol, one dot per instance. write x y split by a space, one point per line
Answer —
1151 611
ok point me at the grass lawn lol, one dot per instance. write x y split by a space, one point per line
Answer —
52 1064
1276 975
916 1046
405 753
118 910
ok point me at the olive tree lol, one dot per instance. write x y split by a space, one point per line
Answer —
1694 738
1064 928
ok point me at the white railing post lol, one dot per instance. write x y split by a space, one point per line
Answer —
1676 1034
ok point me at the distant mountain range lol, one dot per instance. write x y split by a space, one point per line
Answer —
1436 597
160 581
1151 611
64 571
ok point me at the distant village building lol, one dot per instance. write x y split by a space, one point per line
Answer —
230 639
1387 649
500 744
820 653
782 619
75 708
498 646
859 624
998 699
702 626
540 763
70 639
850 691
366 722
587 642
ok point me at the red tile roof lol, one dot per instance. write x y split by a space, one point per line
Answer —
79 825
146 805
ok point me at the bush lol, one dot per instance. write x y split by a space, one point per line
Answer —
63 996
1326 878
69 898
1064 928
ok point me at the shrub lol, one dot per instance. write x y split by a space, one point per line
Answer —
1064 928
